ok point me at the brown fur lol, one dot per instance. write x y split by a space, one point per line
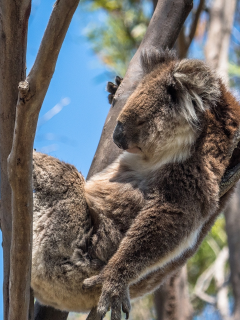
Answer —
149 210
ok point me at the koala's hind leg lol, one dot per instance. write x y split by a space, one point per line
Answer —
62 230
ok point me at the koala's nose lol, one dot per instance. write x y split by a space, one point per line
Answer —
119 137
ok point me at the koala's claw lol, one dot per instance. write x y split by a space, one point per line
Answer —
118 80
112 88
116 301
114 296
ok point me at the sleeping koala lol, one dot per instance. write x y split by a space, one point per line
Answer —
120 234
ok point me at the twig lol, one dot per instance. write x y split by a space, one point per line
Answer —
31 94
202 284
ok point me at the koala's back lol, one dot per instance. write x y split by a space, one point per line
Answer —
61 231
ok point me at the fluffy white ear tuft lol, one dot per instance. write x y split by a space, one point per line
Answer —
198 85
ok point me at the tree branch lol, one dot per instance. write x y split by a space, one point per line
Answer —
162 32
184 41
195 20
13 42
31 94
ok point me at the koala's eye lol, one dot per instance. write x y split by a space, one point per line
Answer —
140 123
173 93
194 103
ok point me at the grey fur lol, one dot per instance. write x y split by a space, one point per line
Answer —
125 230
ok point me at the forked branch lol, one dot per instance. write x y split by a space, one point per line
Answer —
31 94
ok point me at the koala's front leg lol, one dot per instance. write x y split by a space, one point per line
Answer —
155 238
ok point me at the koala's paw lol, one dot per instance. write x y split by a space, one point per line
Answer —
115 296
112 88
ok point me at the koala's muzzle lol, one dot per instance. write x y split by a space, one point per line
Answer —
119 137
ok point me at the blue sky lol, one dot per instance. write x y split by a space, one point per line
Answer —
77 88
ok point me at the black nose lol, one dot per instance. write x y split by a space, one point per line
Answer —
119 136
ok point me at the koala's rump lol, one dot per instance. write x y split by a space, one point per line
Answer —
61 219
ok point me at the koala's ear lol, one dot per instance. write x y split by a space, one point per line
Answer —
198 80
151 57
198 87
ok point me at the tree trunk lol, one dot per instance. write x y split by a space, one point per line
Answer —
232 216
219 32
172 299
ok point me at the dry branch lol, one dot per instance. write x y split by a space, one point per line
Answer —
13 42
184 41
31 94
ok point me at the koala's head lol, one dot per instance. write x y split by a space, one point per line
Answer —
165 113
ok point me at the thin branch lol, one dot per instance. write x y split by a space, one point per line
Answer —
31 94
203 283
184 41
215 270
195 20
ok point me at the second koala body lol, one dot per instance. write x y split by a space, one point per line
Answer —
137 220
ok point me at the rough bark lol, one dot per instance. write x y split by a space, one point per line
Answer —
14 22
233 231
172 299
13 40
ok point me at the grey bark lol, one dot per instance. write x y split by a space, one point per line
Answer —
13 29
219 32
233 231
172 299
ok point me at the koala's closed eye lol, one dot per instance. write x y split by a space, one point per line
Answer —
141 122
173 93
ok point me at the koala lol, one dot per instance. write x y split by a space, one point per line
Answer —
120 234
